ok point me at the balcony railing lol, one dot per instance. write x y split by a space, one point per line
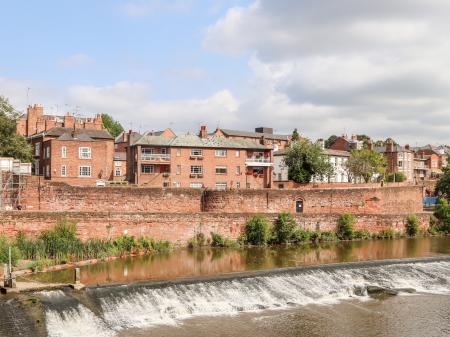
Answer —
258 160
155 157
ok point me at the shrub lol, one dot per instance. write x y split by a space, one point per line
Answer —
442 213
345 226
386 234
217 240
61 242
146 244
197 241
162 246
257 230
412 225
4 251
40 265
361 234
125 244
397 177
302 235
327 236
284 228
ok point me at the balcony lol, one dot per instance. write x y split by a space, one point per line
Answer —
155 157
258 161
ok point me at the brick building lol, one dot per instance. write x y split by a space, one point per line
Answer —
399 159
344 143
435 158
34 121
261 135
199 161
77 157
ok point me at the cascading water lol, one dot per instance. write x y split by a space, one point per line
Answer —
114 309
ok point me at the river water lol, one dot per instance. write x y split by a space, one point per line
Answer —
315 299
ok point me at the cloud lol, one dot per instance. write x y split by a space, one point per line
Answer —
131 103
75 60
381 68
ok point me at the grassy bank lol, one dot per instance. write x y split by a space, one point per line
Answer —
61 245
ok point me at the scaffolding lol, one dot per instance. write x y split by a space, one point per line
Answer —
12 182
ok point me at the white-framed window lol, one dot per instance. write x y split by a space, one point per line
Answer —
84 152
221 153
196 169
37 149
166 184
177 184
47 152
221 170
196 152
178 152
147 150
196 185
221 186
47 170
178 169
84 171
147 169
163 150
63 152
63 170
117 172
238 185
237 153
238 170
36 167
117 163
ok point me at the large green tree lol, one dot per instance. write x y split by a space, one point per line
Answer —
306 160
12 144
366 163
295 136
114 127
443 184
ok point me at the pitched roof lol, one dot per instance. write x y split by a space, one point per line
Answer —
238 133
120 156
395 148
71 136
190 140
337 153
92 133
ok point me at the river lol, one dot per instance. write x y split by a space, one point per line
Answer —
277 291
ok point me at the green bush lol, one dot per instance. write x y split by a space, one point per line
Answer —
361 234
442 213
40 265
284 228
4 251
198 240
146 244
217 240
61 242
125 244
386 234
412 225
257 230
162 246
345 226
302 236
397 177
327 236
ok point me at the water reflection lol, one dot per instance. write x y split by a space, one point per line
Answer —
211 261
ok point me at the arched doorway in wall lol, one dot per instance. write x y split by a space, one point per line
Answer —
299 204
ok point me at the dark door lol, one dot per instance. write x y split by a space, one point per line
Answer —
299 206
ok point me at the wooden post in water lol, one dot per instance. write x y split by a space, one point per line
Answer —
5 275
77 275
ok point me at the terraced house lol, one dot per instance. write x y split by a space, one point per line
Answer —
199 161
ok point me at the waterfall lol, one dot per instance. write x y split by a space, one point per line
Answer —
124 307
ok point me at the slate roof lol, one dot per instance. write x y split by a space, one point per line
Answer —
337 153
190 140
92 133
79 136
395 148
120 156
238 133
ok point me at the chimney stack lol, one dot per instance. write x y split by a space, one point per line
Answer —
370 145
389 145
407 147
321 143
354 137
203 132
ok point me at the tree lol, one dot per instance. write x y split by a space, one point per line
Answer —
365 139
12 144
305 160
366 163
114 127
330 141
443 184
397 177
295 136
284 228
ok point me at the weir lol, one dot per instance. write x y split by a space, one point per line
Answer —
108 311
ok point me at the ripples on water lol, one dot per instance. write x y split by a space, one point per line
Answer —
114 310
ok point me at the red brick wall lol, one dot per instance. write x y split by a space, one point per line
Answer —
178 227
62 197
386 200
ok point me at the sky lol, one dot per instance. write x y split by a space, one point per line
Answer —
325 67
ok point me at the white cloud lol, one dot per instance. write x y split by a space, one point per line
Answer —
75 60
381 68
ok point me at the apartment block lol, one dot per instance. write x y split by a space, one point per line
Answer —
199 161
262 135
399 159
